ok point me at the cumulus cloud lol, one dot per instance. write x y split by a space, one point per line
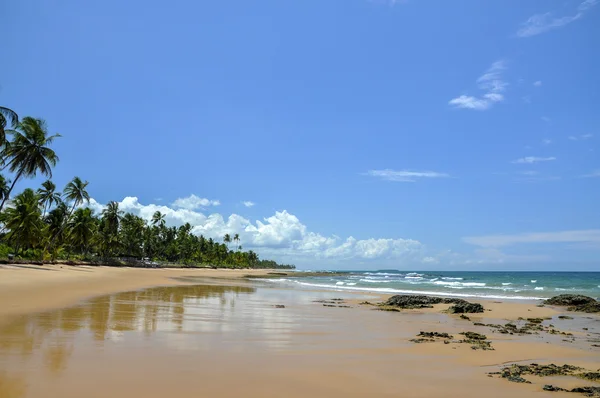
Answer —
193 202
404 175
533 159
281 235
491 83
541 23
248 203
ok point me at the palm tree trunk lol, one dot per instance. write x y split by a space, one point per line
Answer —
5 198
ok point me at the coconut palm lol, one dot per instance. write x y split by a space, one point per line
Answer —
55 221
111 216
3 187
48 195
158 219
227 240
28 153
7 115
82 227
236 239
24 222
76 193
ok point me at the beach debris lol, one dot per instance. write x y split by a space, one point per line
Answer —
441 335
575 302
420 301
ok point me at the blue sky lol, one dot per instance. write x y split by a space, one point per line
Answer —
421 134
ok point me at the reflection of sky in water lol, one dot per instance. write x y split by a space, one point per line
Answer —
180 319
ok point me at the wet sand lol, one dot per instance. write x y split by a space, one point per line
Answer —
226 337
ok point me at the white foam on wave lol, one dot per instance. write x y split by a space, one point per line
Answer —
506 284
534 281
339 283
374 281
539 288
447 278
461 284
403 291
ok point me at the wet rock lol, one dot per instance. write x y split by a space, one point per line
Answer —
329 305
592 376
279 306
365 303
387 308
575 302
535 320
588 391
463 316
565 317
436 335
550 387
418 341
466 307
474 336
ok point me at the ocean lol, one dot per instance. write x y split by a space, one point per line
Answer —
490 285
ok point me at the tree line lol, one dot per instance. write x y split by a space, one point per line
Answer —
48 225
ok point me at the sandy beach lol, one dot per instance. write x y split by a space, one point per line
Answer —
101 331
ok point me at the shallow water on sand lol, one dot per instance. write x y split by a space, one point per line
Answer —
223 341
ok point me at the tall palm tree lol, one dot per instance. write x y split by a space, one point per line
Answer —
48 195
158 219
24 222
82 227
76 193
227 240
56 220
236 239
7 115
111 216
28 153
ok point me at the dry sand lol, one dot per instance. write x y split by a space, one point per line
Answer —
223 341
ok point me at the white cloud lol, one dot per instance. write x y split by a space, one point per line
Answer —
280 236
404 175
546 119
248 203
537 83
430 260
582 137
533 159
193 202
540 23
495 241
493 85
546 141
593 174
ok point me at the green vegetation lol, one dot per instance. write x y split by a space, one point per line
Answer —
45 225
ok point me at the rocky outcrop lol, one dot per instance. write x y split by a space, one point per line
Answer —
420 301
575 302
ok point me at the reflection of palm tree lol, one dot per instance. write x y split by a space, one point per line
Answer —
28 153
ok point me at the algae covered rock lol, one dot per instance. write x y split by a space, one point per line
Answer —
576 302
415 301
465 308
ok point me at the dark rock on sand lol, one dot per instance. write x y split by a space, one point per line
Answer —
592 376
565 317
588 391
463 316
436 335
465 307
474 336
422 340
550 387
575 302
420 301
279 306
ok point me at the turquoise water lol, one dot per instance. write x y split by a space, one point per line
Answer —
494 285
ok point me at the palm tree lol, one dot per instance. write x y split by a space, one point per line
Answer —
23 220
227 240
158 219
112 216
48 195
28 152
55 220
82 227
76 193
236 239
7 115
3 187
